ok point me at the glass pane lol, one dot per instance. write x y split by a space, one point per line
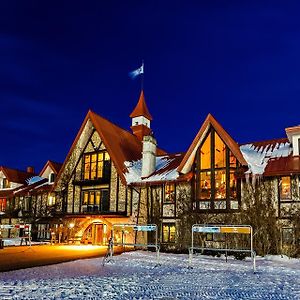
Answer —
172 233
94 157
234 204
220 152
85 198
285 188
106 156
92 198
220 204
232 185
87 167
205 154
232 160
100 165
204 205
165 233
220 180
97 202
205 185
169 193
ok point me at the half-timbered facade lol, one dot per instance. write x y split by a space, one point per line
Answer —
112 176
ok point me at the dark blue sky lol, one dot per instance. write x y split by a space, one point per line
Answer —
238 60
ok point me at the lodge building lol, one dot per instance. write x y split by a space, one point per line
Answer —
114 176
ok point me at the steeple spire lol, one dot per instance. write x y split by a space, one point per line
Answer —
141 118
141 108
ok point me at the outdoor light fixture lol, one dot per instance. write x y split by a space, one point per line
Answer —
71 225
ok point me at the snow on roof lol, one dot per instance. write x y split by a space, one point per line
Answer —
257 155
165 169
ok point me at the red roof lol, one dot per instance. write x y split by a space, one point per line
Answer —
269 144
121 144
141 108
283 166
227 139
16 176
55 166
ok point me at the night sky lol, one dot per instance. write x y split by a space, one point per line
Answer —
238 60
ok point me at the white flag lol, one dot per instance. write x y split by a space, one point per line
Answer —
137 72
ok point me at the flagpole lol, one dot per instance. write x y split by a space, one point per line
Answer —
142 79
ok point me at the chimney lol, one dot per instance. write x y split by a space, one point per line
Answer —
149 155
30 170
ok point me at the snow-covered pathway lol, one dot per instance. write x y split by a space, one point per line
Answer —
134 276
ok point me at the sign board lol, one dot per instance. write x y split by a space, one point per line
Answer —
206 229
144 228
237 229
7 226
17 226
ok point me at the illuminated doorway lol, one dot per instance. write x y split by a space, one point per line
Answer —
94 234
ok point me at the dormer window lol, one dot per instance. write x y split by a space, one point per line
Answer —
5 183
51 177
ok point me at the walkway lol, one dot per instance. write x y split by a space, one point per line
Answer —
14 258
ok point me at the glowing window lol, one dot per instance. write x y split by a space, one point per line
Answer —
205 185
220 184
169 233
220 152
169 193
205 154
285 188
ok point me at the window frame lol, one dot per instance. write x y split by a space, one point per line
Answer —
93 207
212 203
100 158
280 189
169 225
168 186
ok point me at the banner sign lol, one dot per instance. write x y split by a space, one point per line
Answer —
7 226
206 229
144 227
237 229
222 229
17 226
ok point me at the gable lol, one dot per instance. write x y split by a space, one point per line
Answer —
210 121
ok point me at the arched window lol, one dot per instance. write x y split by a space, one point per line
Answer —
217 187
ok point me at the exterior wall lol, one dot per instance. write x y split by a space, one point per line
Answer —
13 185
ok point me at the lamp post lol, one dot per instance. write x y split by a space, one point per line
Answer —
1 242
71 226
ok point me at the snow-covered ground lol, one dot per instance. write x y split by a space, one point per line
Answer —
134 276
17 242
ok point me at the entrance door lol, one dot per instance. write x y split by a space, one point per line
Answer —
98 234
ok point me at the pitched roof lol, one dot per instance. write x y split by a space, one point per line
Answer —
165 170
55 166
283 166
141 108
16 176
268 157
121 144
186 163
